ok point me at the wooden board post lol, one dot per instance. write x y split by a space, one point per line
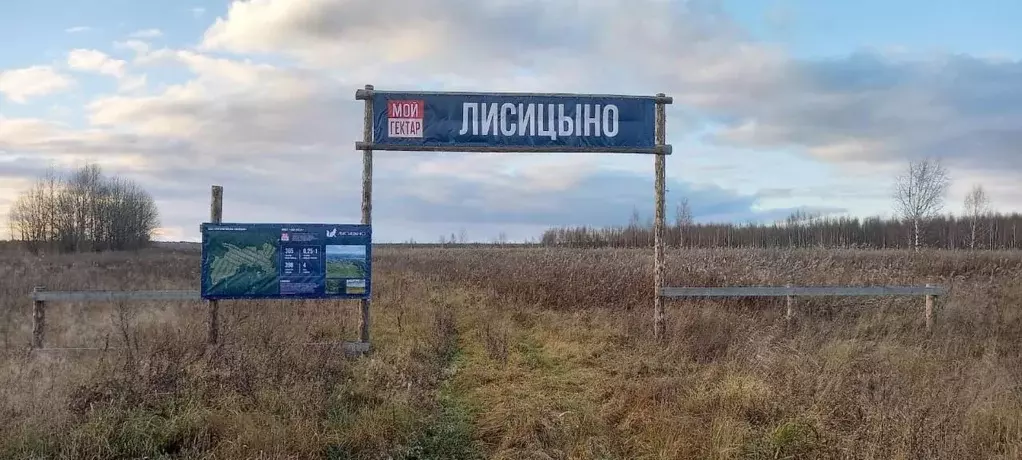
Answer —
216 214
789 313
367 203
38 319
928 310
659 326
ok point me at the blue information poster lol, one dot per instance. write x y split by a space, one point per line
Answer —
286 261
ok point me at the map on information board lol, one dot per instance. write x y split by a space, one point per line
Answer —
304 261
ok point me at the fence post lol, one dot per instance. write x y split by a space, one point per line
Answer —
789 313
928 311
216 214
38 318
659 326
367 203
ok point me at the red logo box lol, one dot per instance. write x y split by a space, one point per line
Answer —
406 109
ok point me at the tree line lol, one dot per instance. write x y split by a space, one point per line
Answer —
992 231
919 195
83 210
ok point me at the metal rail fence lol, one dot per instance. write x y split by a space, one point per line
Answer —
928 292
40 297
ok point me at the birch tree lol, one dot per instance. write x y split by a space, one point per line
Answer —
919 193
682 219
977 206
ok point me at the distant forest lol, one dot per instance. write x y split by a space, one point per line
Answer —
919 194
990 231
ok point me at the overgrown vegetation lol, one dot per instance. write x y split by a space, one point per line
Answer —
525 353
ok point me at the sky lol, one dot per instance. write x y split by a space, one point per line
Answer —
352 250
778 105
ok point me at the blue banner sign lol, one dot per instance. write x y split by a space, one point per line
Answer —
286 261
513 122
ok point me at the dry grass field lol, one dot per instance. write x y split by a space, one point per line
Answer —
523 354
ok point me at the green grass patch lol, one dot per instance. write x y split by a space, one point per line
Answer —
450 434
343 269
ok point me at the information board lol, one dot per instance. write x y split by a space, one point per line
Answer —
514 122
293 261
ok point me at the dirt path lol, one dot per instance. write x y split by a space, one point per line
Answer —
534 383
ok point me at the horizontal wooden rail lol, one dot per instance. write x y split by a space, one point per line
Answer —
347 346
100 296
783 291
790 292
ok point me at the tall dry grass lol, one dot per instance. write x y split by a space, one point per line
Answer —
855 378
525 353
271 390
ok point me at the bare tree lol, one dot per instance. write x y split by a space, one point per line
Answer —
84 211
977 206
683 213
801 223
919 193
682 219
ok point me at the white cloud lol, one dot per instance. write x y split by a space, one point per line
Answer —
95 61
132 83
140 48
24 128
231 102
212 71
146 33
699 56
20 85
86 60
57 140
77 29
868 105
